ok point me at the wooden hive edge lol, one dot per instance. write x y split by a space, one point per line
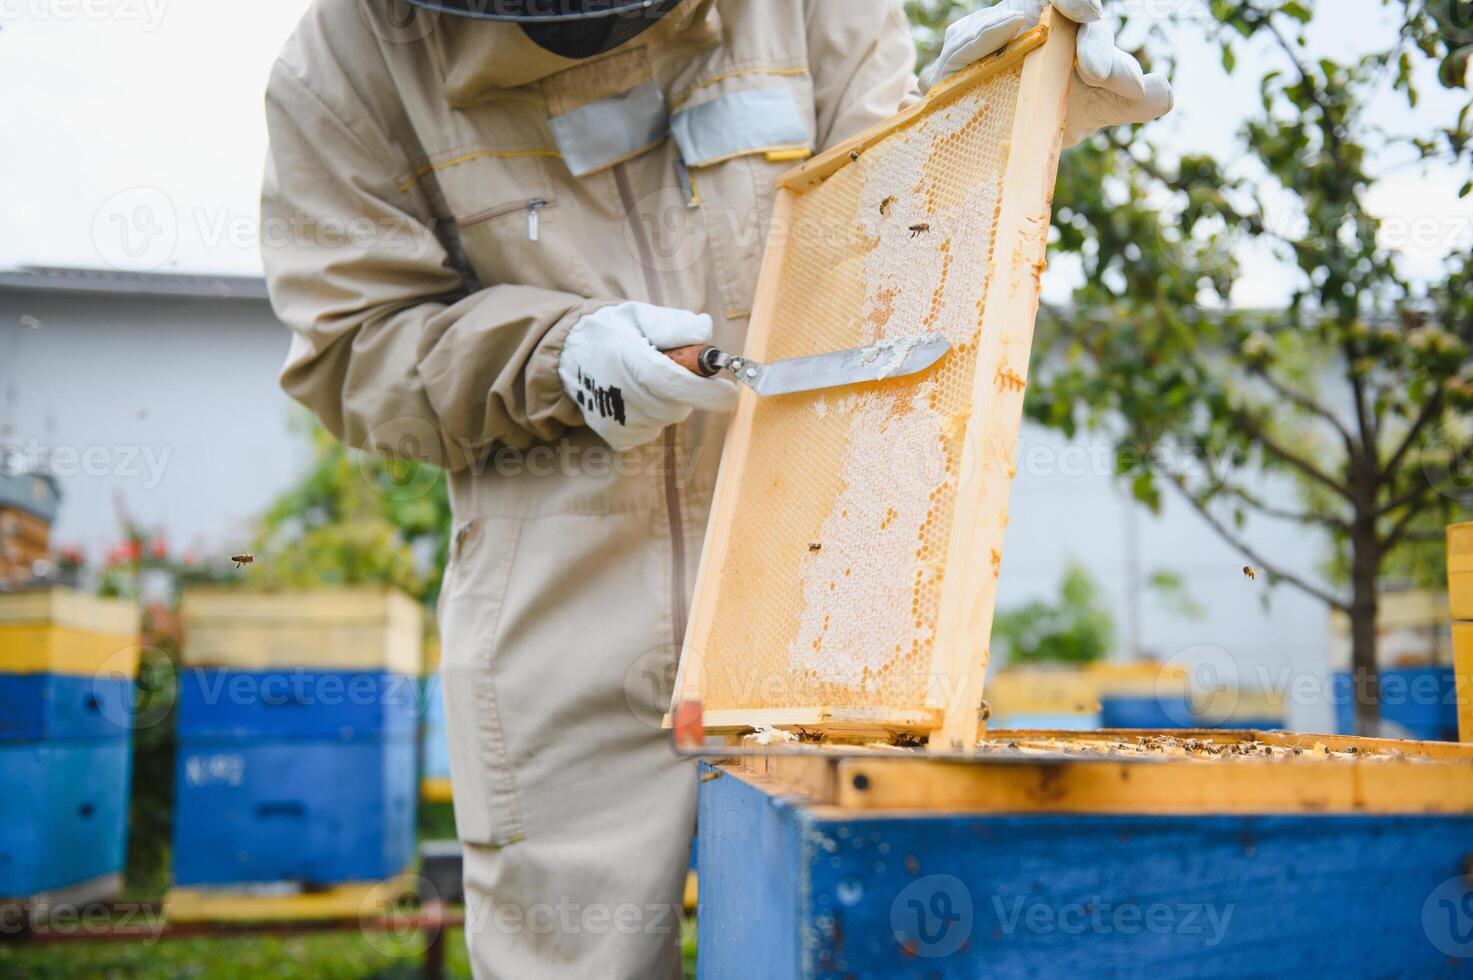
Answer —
824 165
1433 778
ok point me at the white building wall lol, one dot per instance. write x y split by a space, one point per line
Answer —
168 404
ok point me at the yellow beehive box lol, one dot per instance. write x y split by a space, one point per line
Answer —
1040 690
1060 691
1142 679
1460 570
1463 672
62 631
1411 630
336 629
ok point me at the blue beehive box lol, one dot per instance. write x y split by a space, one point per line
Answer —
436 739
298 718
293 775
67 663
66 813
818 863
1420 702
1146 711
41 707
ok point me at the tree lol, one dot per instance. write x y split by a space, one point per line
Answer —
1359 390
1074 631
355 519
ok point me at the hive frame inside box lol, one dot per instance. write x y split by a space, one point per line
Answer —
1043 59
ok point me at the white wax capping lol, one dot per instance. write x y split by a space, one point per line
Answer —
860 583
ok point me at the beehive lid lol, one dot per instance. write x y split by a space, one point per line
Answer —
850 565
59 606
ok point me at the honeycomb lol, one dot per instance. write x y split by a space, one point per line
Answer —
829 591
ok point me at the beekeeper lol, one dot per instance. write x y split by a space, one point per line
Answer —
483 220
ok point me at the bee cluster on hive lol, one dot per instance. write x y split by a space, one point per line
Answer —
1184 746
830 592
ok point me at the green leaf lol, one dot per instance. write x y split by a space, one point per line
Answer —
1298 11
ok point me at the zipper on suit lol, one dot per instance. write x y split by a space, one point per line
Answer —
532 206
671 440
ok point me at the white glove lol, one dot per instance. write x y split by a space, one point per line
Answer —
611 366
1114 90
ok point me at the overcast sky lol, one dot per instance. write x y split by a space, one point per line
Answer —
123 116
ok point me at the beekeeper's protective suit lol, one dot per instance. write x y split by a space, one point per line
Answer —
481 234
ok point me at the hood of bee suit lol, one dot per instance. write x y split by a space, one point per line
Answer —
481 53
569 28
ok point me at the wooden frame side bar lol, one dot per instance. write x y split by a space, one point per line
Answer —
969 593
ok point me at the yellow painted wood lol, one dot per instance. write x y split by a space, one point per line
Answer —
1409 609
67 607
345 629
1040 690
872 720
1176 786
1463 673
1460 570
435 789
58 650
1424 780
348 901
63 631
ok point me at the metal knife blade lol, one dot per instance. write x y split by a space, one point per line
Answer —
890 359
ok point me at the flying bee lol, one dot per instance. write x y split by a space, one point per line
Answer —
242 559
885 205
815 547
1250 572
918 228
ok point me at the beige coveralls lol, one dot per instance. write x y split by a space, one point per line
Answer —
428 243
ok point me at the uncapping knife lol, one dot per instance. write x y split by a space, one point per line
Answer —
891 359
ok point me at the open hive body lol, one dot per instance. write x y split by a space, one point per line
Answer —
849 573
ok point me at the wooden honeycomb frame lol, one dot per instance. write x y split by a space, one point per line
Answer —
938 690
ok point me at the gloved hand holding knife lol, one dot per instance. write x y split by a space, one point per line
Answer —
634 369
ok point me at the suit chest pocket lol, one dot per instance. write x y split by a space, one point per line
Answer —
734 147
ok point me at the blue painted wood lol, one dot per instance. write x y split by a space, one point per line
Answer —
316 811
1147 711
1422 701
63 812
1265 723
436 739
1049 721
229 703
791 892
40 707
747 907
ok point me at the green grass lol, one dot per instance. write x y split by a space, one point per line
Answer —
329 955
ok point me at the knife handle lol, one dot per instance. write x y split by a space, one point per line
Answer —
699 359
